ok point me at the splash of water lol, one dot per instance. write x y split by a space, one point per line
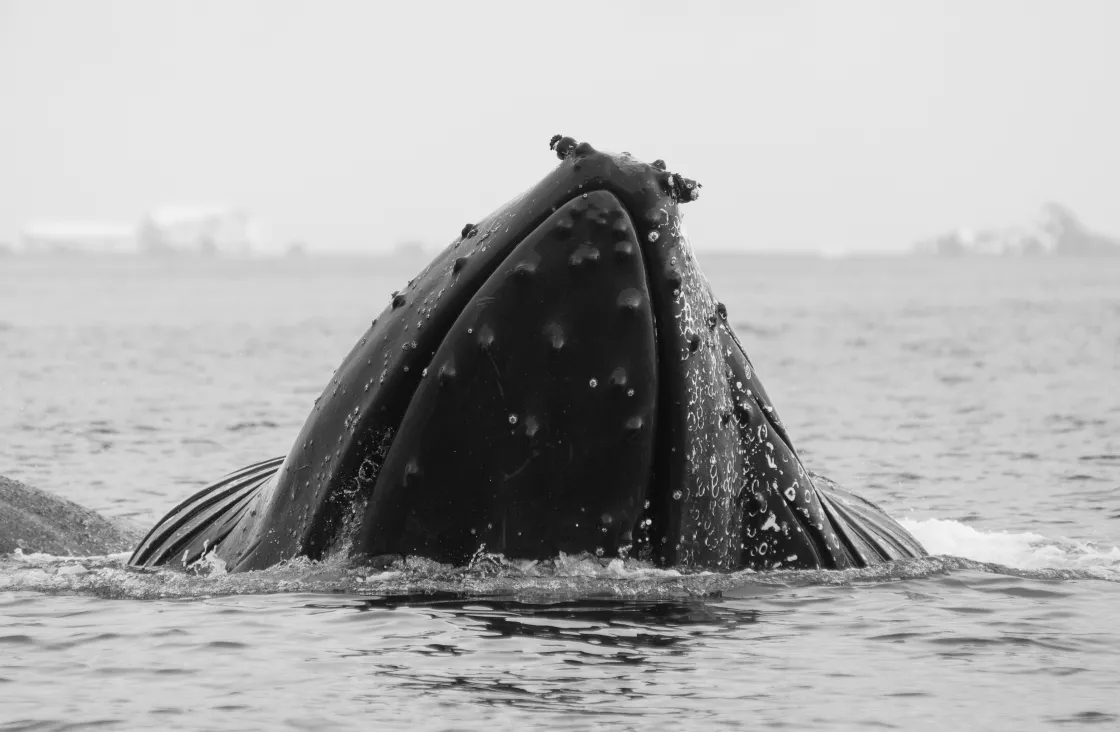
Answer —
955 547
1025 551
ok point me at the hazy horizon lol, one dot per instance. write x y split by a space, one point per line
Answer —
812 126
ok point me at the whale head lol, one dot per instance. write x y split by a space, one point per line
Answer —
561 378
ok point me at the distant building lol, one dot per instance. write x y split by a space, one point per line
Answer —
1056 231
164 229
54 237
1067 236
197 229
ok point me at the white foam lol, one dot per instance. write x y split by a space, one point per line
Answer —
209 564
566 575
1025 550
44 558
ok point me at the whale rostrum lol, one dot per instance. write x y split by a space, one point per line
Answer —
561 378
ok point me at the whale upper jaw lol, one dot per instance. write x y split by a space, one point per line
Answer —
560 378
533 432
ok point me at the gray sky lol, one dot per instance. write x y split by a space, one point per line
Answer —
813 125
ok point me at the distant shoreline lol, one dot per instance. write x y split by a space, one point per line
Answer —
411 256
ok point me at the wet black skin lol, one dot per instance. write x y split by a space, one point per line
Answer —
561 378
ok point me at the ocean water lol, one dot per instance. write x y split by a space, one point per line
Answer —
977 399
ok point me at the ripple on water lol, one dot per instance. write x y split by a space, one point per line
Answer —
121 400
573 642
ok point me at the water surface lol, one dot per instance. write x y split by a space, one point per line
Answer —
978 400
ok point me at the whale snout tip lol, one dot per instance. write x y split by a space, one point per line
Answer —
566 147
676 186
681 189
562 145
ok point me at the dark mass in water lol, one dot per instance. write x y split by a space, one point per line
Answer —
560 379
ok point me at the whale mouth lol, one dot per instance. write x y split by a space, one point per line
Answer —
561 378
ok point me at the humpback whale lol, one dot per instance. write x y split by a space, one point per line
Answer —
561 378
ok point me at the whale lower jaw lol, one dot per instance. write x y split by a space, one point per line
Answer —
560 379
